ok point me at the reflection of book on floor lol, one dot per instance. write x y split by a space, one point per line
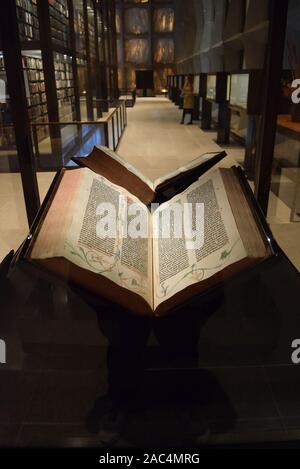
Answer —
151 274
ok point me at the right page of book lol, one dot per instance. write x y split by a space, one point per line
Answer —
178 262
186 167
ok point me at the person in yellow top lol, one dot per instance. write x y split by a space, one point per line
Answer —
187 93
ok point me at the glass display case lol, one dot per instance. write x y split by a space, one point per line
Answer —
239 84
211 87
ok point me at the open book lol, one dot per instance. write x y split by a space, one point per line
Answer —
109 164
150 274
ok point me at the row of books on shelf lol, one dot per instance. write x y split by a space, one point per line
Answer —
64 84
65 94
37 98
59 9
66 75
62 65
37 87
59 36
32 62
7 136
37 112
27 20
42 132
35 75
59 20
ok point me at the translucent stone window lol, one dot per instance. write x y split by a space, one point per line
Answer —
164 51
137 51
163 20
136 21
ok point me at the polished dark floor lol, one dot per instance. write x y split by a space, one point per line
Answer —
240 386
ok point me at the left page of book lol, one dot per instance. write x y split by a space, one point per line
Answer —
70 231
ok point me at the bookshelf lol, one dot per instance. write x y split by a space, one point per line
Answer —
28 20
64 81
36 93
59 22
7 134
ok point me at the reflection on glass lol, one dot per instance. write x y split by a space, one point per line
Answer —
211 86
164 51
239 90
137 51
163 20
136 20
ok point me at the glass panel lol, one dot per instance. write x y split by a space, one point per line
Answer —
136 20
13 218
239 90
91 27
116 133
35 89
110 134
284 200
164 51
211 86
196 84
59 22
64 86
238 123
66 141
82 85
137 51
28 20
79 25
163 20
